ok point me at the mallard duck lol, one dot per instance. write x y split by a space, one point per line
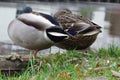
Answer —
35 32
84 32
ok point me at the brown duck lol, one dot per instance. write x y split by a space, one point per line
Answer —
81 30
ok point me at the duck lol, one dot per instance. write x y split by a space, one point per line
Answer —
35 31
84 32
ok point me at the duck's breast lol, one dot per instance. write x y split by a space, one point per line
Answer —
27 36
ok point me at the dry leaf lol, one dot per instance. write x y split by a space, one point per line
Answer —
64 75
96 78
101 68
97 65
80 76
83 76
76 66
78 71
71 60
115 73
118 65
99 78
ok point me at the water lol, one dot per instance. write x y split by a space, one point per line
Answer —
99 14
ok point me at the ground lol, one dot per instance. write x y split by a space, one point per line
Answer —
101 64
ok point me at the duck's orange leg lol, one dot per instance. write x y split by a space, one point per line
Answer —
35 54
27 57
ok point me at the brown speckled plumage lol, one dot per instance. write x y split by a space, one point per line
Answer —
86 34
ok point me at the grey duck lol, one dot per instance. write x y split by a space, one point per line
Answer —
35 32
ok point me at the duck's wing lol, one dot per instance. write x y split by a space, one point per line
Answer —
83 25
80 28
50 18
34 20
76 24
86 20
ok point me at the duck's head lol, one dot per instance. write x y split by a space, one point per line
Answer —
56 34
26 9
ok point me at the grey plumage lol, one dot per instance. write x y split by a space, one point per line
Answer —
30 31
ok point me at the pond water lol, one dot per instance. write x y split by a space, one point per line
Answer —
98 13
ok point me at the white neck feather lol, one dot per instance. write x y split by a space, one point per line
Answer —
46 37
36 18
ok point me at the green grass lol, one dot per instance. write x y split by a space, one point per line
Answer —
73 65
